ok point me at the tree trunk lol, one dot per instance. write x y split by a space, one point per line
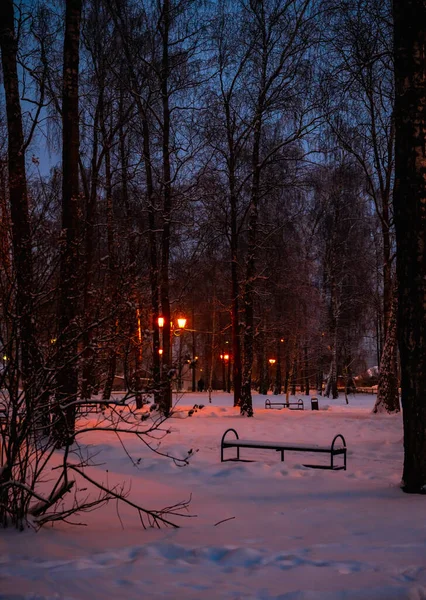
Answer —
246 399
87 379
235 286
19 212
387 389
387 393
69 289
166 396
112 270
278 376
153 256
213 346
306 368
410 224
263 372
331 387
5 246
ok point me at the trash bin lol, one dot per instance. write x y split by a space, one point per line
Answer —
314 403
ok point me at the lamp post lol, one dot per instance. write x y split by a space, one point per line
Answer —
278 379
223 373
165 352
271 361
160 323
227 360
178 331
181 322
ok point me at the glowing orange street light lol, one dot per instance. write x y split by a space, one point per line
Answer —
160 351
272 361
181 322
226 357
160 321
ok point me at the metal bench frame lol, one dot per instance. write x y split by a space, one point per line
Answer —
299 404
282 446
84 408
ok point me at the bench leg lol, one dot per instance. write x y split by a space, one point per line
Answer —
228 459
344 462
282 455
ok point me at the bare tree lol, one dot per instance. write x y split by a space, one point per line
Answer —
359 89
410 224
281 38
27 346
69 284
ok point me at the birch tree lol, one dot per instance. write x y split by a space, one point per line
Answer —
360 91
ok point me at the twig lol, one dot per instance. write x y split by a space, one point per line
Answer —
224 521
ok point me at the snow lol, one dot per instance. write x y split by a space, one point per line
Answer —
263 530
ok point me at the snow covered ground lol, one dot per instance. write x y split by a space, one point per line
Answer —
288 532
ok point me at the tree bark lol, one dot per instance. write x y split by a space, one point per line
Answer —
278 375
112 268
87 380
69 288
166 396
18 198
410 224
387 393
246 399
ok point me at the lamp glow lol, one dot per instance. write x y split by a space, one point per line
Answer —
181 322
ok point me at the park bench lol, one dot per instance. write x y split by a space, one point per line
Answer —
297 405
85 408
281 447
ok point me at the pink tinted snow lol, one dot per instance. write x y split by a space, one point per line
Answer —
287 532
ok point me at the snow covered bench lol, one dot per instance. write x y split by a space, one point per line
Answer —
298 405
85 408
332 450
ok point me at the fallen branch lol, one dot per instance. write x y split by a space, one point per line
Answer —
224 521
155 516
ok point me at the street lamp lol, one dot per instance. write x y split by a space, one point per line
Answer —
223 372
278 386
181 322
227 360
271 361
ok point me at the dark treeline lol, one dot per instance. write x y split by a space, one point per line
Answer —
231 162
234 165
